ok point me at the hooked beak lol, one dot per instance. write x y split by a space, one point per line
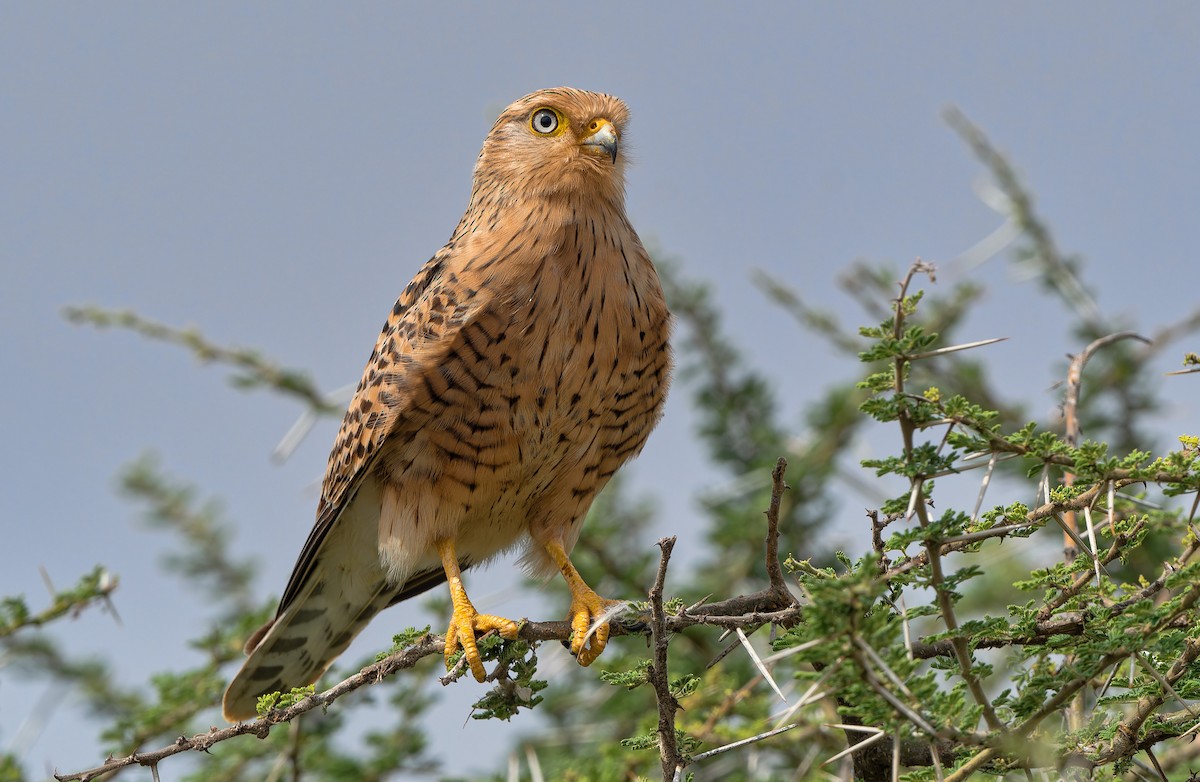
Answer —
602 138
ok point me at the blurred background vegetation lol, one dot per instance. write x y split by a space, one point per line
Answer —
596 727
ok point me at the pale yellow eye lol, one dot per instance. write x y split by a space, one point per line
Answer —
544 121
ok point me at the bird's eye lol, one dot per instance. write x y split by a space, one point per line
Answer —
544 121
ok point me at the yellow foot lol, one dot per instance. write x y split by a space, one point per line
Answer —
466 621
464 625
587 608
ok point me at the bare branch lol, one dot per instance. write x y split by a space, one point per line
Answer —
774 571
668 748
257 371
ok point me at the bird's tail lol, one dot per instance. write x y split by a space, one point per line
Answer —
344 588
295 648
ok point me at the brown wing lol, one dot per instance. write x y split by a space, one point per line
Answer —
420 331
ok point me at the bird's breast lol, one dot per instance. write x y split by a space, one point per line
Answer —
593 329
555 384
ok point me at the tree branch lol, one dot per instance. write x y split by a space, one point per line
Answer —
201 742
668 747
257 371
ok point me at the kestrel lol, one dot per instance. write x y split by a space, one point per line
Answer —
526 362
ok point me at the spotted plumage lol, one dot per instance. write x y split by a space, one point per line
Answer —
525 363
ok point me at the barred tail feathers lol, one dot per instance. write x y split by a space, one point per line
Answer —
345 588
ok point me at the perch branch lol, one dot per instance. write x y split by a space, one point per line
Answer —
668 748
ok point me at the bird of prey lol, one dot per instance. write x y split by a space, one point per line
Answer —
526 362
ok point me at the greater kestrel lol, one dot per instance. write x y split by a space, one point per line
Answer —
522 367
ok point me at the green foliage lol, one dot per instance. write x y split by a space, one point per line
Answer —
515 688
282 700
10 768
687 744
630 680
91 588
404 639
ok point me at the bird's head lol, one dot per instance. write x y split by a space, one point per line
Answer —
557 142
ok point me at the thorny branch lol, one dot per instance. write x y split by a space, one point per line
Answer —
933 547
778 588
404 659
1070 525
1033 517
958 645
1127 741
1071 414
201 742
775 604
775 601
668 747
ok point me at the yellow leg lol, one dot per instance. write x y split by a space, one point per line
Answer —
466 621
586 608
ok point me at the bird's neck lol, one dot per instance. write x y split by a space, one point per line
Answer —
497 209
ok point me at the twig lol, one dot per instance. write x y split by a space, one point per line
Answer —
774 571
900 706
201 742
93 587
1082 580
1071 415
668 748
1126 740
1035 516
917 505
1019 209
1166 685
257 370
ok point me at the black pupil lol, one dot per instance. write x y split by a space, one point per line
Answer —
545 120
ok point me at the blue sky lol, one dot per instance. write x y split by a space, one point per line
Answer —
275 173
